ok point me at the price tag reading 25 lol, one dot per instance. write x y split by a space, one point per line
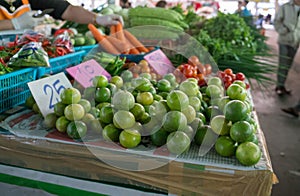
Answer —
85 72
46 91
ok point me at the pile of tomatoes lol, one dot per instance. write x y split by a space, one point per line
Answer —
193 69
228 77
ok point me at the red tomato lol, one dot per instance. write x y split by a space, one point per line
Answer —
240 76
227 84
208 68
221 74
193 60
180 67
188 73
200 77
233 76
228 71
201 83
247 85
201 69
227 78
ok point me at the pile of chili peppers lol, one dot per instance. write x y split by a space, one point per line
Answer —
60 45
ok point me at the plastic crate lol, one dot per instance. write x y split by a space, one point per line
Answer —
136 57
59 64
14 89
86 49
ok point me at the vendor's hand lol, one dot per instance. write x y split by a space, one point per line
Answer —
25 21
109 20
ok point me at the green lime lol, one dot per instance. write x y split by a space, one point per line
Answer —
61 124
173 121
70 95
100 81
144 98
235 110
50 120
59 108
189 88
76 129
178 142
29 102
123 100
74 112
163 85
220 125
123 119
205 132
130 138
111 133
225 146
177 100
106 114
158 136
117 80
85 104
195 103
138 110
248 153
102 95
241 131
189 113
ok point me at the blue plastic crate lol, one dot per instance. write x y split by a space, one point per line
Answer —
86 49
14 89
136 57
59 64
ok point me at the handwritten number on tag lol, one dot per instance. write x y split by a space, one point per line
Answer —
86 71
53 89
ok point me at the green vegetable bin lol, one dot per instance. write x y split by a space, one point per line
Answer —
59 64
14 89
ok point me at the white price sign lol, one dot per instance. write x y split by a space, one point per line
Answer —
46 91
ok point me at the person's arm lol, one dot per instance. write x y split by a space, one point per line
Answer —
6 25
80 15
278 22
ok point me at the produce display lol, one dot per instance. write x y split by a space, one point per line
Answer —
169 111
176 110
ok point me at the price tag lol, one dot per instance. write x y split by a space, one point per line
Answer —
46 91
159 62
85 72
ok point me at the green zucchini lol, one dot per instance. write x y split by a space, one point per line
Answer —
141 21
160 13
160 34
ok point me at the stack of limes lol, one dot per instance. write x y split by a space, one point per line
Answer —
233 122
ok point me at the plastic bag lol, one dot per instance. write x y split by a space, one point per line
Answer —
30 55
64 41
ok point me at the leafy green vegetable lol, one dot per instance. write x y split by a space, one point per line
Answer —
235 44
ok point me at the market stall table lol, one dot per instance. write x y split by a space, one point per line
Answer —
51 151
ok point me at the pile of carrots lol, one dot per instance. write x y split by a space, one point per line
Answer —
119 41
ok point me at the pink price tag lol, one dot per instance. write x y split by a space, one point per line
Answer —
85 72
159 62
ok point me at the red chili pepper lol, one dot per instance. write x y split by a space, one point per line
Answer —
2 61
61 51
60 31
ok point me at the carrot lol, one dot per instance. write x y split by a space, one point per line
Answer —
97 35
135 42
102 40
112 30
150 48
134 51
123 47
120 33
